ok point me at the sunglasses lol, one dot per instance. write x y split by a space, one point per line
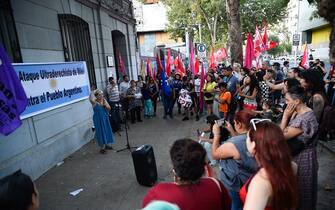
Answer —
255 121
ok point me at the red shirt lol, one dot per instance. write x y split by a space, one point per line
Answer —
244 192
205 195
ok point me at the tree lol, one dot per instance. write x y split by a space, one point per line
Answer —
235 33
188 14
241 17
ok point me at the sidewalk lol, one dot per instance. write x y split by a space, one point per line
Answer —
329 145
109 181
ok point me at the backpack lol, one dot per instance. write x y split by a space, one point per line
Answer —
326 127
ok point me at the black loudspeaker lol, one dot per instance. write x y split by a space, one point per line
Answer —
145 165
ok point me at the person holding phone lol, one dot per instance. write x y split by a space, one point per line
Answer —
236 164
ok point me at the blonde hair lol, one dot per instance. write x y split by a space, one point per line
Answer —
97 92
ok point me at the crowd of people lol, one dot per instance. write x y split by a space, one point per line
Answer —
264 125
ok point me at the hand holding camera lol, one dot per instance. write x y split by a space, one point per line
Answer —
221 122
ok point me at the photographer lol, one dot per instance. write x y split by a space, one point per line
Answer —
319 66
207 142
236 164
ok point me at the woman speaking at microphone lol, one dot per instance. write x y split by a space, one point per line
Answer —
101 122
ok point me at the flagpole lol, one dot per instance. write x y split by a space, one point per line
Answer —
297 47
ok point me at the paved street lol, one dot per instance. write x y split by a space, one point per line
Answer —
109 181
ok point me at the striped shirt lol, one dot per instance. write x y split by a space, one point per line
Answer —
113 93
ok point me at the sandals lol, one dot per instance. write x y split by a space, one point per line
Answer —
109 147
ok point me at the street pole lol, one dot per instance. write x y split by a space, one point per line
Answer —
199 25
187 42
297 47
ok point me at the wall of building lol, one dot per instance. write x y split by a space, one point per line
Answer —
45 139
321 36
149 40
314 31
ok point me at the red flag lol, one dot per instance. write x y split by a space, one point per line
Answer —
192 58
149 69
221 54
304 60
159 64
249 52
121 63
265 39
181 66
272 44
212 60
258 43
168 64
175 63
196 68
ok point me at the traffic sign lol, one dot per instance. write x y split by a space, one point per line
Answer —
296 39
201 48
202 54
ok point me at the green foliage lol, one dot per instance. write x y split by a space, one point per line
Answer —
258 12
183 13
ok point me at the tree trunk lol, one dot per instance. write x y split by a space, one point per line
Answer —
234 31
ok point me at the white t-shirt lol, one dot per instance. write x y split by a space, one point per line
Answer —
123 88
197 85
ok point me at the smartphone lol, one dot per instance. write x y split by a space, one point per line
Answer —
221 122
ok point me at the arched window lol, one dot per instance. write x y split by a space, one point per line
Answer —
77 42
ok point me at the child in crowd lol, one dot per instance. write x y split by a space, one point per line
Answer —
148 107
224 100
267 112
186 102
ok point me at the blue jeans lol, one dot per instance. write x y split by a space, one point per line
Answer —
208 147
236 203
221 115
148 109
168 105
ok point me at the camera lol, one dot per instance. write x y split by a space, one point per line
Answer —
221 122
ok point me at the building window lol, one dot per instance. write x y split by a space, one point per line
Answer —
8 35
77 42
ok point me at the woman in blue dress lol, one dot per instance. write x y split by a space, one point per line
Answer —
101 122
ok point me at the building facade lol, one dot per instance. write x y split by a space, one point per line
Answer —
314 31
32 31
151 18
